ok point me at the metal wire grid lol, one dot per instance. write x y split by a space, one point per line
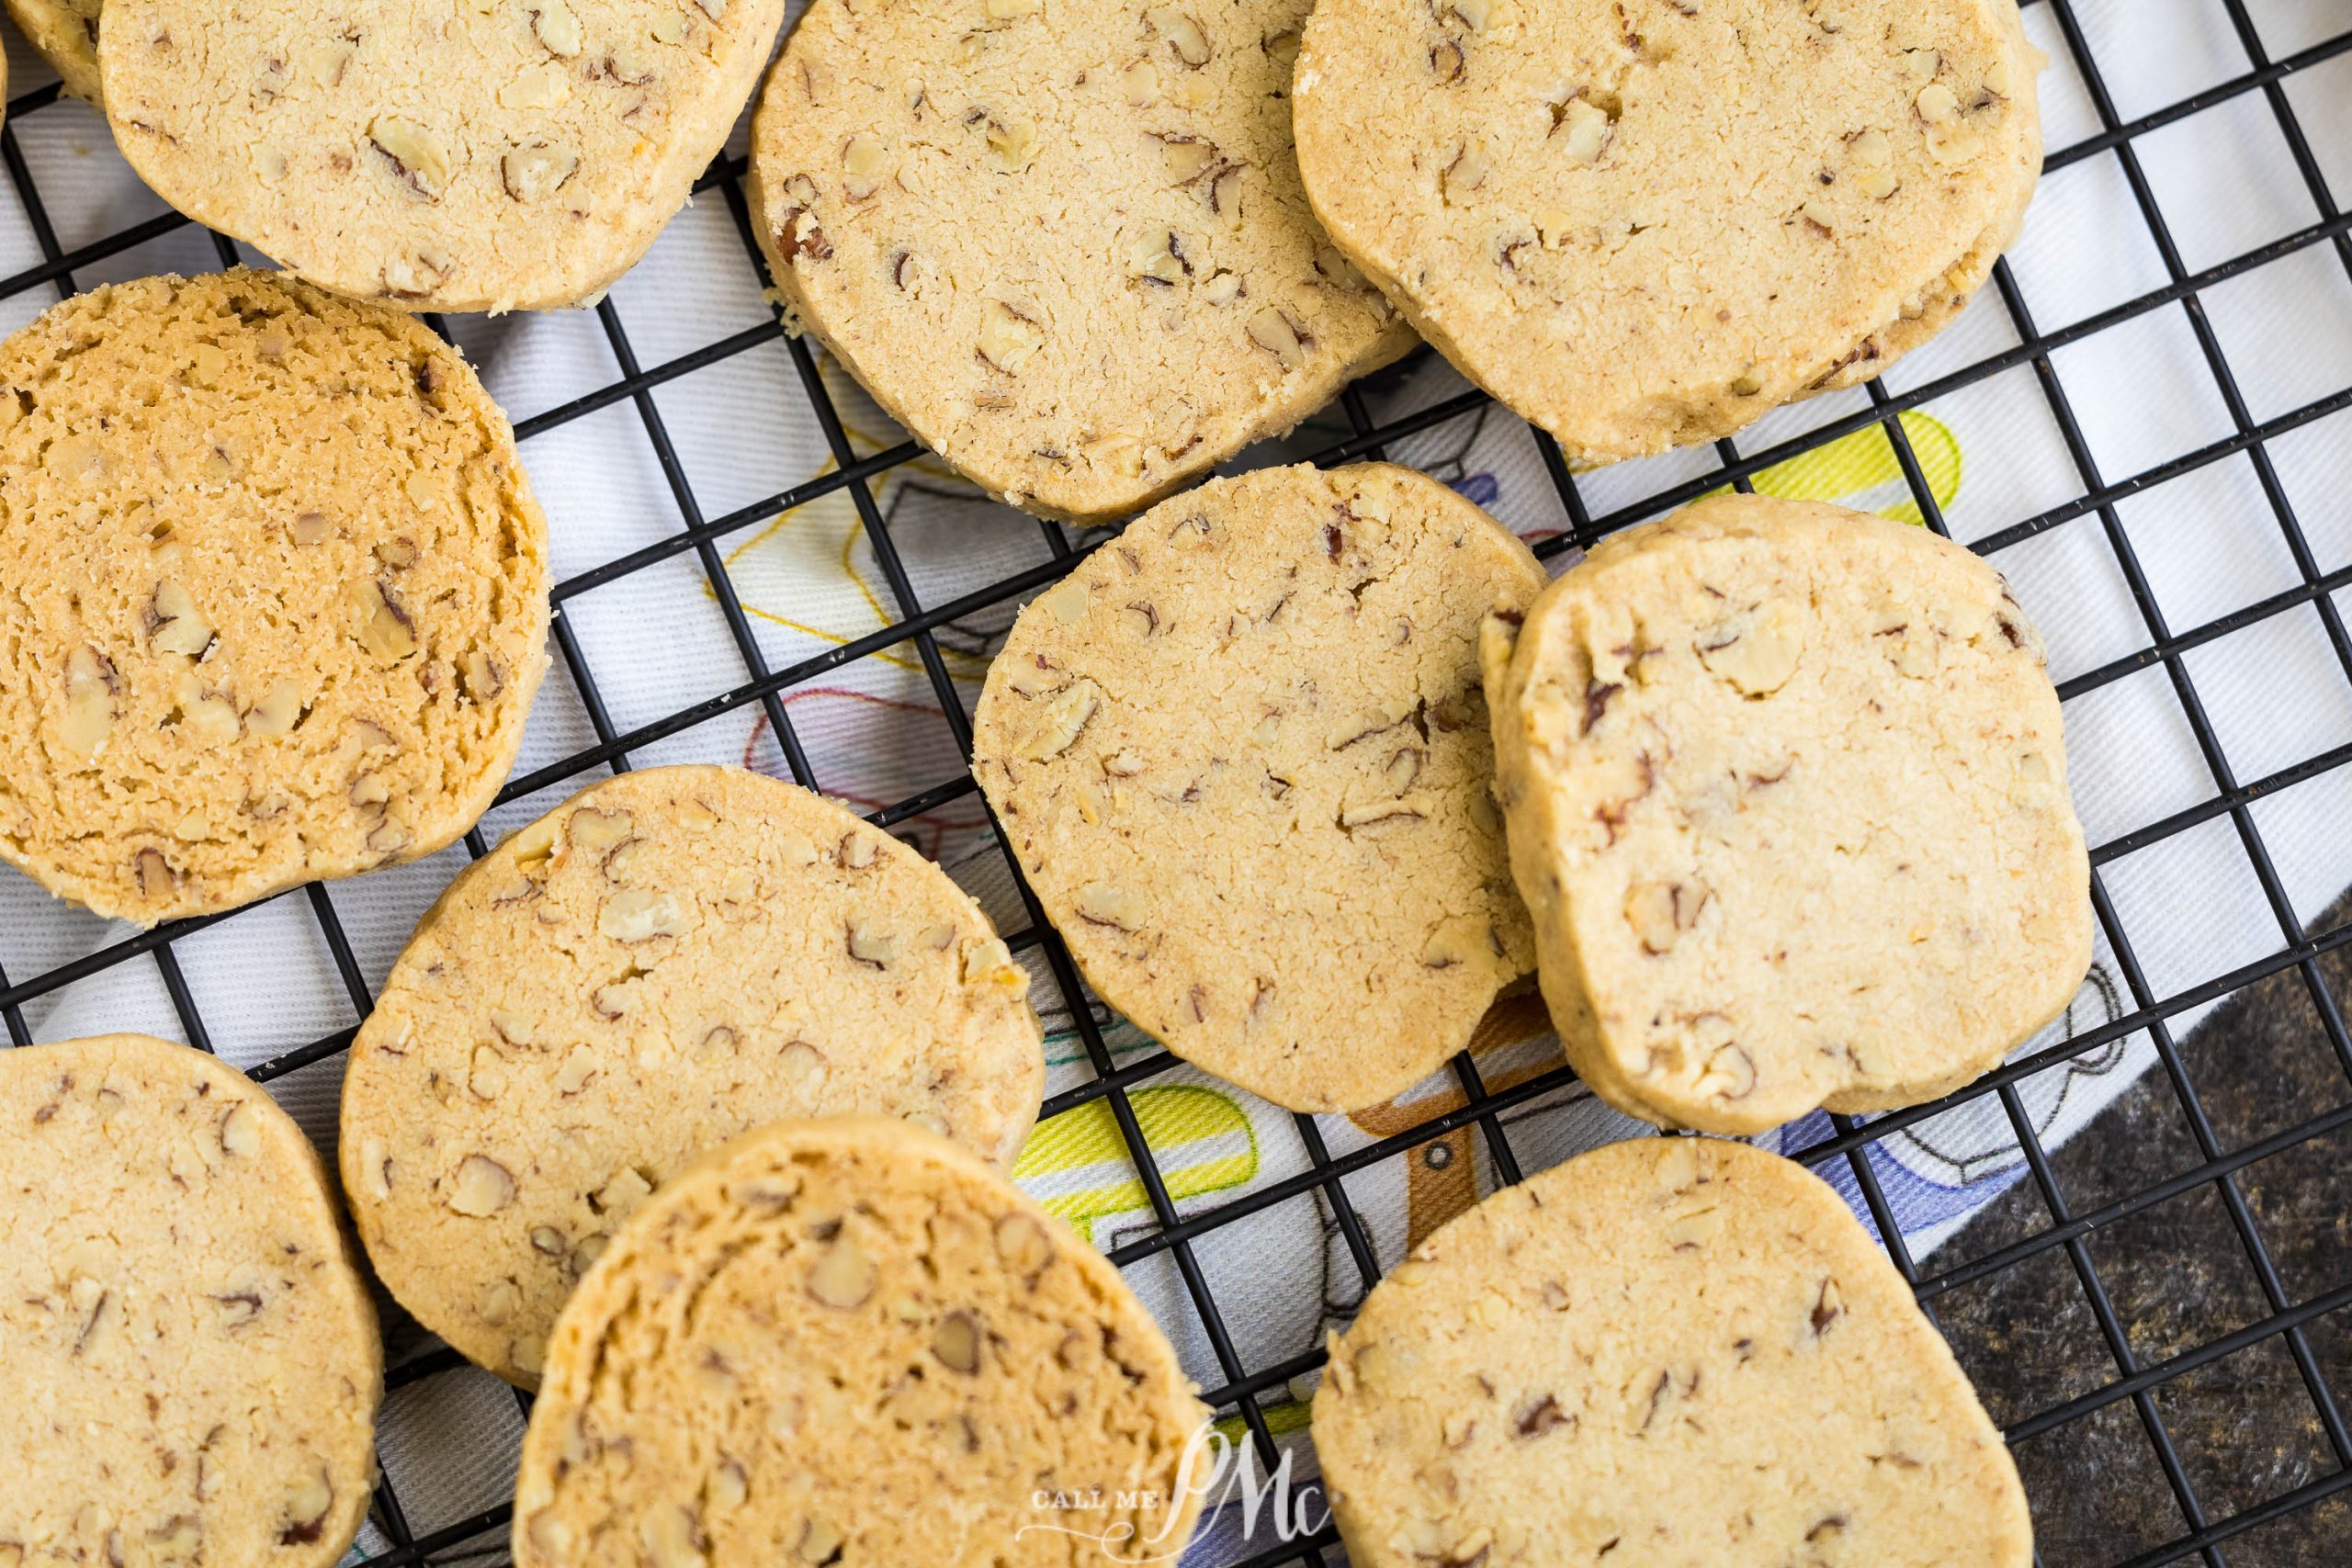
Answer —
2131 1380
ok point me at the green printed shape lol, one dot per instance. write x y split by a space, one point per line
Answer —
1171 1117
1864 460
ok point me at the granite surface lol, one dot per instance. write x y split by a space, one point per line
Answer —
2176 1276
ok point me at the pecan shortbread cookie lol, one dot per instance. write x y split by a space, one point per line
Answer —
1667 1353
191 1359
1066 247
668 958
440 156
1646 224
848 1341
65 32
280 594
1786 787
1241 753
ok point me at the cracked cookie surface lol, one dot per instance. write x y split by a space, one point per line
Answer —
848 1341
1067 249
670 957
1786 787
1241 753
1646 223
282 594
436 154
1666 1353
65 33
191 1359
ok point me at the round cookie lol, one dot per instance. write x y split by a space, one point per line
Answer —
191 1359
1647 224
668 958
282 594
803 1349
1786 787
1667 1353
65 32
1241 754
443 157
1067 249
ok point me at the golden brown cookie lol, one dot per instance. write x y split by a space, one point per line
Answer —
191 1359
1668 1353
280 594
1241 753
1065 247
437 156
1786 787
1647 224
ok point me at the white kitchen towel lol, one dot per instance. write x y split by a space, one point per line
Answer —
2207 543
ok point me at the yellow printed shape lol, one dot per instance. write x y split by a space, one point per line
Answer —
1282 1420
1077 1165
835 515
1848 469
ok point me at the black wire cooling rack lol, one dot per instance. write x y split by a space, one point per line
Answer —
2111 1384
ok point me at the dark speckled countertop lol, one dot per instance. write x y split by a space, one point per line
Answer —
2178 1276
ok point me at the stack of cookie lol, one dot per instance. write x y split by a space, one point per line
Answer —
689 1104
667 959
279 612
1638 225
